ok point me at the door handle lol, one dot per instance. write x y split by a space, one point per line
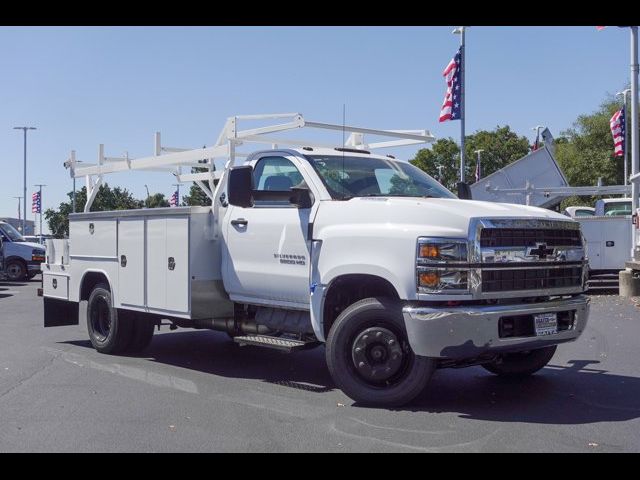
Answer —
240 222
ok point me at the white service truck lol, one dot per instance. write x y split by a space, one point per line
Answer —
608 235
336 245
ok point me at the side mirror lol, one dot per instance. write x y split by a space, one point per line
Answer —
464 191
301 197
240 186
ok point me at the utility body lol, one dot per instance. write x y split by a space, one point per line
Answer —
321 244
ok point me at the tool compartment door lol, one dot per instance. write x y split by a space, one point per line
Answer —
131 259
177 264
168 263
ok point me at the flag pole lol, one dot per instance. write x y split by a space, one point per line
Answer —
634 126
463 61
40 207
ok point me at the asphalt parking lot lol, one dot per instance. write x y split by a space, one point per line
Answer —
196 391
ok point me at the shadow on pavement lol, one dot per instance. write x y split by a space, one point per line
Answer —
576 394
12 284
215 353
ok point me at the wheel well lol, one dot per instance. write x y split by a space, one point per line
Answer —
90 280
15 259
348 289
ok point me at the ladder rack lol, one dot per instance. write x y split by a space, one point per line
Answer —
171 159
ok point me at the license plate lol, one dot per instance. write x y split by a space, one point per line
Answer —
546 324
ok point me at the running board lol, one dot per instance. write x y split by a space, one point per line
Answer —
287 345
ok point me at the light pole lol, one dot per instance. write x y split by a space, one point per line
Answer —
463 61
147 202
479 151
24 190
19 216
624 94
537 128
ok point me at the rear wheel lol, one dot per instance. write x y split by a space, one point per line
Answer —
521 364
369 356
109 331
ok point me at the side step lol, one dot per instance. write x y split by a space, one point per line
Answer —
287 345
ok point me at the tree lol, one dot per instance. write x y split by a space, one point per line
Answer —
196 196
586 152
441 161
156 200
106 199
501 147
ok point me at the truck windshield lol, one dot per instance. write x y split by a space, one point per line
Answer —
11 233
617 208
347 177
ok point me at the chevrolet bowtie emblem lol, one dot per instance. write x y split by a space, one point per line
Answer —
541 251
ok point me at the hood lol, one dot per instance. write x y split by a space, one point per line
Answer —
425 216
31 245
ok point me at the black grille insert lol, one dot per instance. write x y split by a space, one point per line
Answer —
529 237
510 279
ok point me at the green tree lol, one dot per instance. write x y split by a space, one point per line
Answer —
501 147
196 196
585 153
107 199
156 200
441 161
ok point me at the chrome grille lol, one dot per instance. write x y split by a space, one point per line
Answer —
522 257
529 237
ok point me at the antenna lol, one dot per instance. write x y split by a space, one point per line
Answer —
344 118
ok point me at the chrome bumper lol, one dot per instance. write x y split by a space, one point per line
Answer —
470 331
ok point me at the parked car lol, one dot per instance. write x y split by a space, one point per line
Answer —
22 259
574 212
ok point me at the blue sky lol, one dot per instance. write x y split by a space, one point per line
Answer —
82 86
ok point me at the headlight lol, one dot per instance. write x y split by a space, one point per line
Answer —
442 266
441 250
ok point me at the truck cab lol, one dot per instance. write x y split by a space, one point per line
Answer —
22 259
339 246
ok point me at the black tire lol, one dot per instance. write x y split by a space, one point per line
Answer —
142 332
16 270
109 332
521 364
354 337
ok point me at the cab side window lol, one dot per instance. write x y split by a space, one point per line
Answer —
274 177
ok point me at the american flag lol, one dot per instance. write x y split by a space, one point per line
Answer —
35 203
173 201
451 106
617 124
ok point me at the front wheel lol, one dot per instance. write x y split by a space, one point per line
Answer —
369 356
16 270
521 364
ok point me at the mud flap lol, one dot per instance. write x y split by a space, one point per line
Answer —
58 313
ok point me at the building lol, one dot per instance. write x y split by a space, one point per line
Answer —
17 224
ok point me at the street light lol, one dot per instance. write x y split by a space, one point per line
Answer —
537 128
24 190
147 202
479 151
624 94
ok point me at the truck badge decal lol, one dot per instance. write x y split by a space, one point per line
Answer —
290 259
541 251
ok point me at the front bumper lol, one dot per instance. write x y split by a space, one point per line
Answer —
34 267
470 331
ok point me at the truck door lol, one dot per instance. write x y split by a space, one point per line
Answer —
267 249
